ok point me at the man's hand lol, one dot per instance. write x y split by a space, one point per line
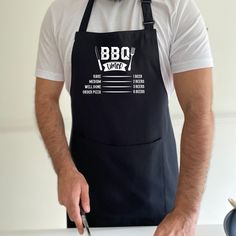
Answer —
73 189
177 223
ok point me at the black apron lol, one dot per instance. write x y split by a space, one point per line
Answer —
121 138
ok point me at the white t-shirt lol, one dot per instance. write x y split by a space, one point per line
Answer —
181 32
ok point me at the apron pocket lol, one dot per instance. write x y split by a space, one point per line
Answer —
124 180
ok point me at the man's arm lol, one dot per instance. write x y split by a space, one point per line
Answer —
194 92
72 185
50 123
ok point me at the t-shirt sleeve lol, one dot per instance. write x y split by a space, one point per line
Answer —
190 48
48 64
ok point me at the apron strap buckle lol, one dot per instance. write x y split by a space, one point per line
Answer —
148 22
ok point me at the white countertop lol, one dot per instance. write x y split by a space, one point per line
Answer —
202 230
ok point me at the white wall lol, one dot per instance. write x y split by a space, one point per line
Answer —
28 197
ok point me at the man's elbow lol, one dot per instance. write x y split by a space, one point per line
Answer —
199 112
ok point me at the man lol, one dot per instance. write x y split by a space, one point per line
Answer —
120 61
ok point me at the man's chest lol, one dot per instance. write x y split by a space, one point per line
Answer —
109 17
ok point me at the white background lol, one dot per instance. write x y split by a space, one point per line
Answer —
28 197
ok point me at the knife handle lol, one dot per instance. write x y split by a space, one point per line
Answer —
82 212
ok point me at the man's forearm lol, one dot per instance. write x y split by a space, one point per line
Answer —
196 145
51 126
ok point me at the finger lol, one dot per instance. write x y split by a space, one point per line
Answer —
85 201
79 225
159 231
74 214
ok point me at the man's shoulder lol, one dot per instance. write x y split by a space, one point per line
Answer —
172 6
60 7
64 3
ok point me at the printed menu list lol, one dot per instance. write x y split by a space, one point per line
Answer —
120 85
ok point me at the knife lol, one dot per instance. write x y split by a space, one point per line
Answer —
98 58
84 220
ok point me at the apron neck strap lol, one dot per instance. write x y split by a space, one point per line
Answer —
86 16
148 21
